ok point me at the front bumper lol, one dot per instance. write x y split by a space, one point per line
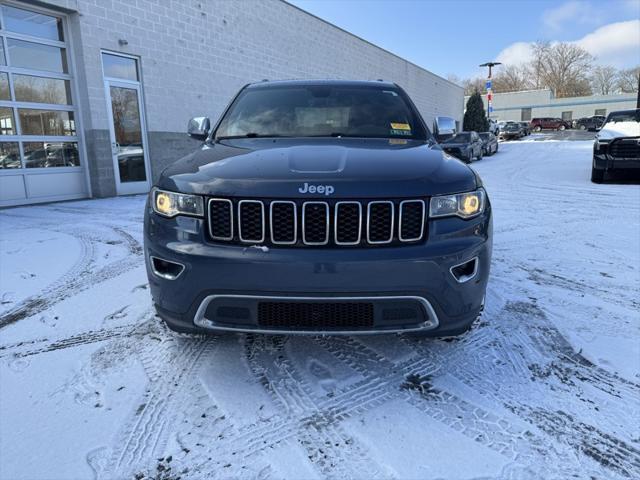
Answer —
418 276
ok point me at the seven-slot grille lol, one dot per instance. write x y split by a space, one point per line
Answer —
317 223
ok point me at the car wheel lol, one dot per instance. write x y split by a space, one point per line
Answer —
582 127
537 128
561 127
597 175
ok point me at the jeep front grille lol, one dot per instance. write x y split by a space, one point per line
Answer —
317 223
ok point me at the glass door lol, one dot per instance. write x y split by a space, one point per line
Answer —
126 123
127 138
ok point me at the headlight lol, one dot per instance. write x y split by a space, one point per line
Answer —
170 204
463 205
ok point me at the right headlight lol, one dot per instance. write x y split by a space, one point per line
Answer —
463 205
170 204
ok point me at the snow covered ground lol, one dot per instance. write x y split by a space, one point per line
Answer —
547 385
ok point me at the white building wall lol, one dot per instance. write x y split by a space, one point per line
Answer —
508 106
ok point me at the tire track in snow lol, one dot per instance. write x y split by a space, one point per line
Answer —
26 349
169 367
329 448
521 332
79 278
412 381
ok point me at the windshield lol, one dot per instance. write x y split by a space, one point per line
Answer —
512 126
459 138
626 116
321 111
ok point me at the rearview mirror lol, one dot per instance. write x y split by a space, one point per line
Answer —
199 127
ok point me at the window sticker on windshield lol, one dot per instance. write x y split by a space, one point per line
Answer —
397 141
400 126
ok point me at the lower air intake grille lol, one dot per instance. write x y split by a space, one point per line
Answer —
316 315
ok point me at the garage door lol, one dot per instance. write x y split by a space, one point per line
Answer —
40 156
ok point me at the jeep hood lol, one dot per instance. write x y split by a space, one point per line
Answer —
355 168
618 130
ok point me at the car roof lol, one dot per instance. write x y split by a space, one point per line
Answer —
341 83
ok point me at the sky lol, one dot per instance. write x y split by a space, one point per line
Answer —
455 36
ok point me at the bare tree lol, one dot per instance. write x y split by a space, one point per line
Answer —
511 78
604 80
564 67
535 66
472 85
628 80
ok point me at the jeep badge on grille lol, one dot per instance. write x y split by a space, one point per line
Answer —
326 189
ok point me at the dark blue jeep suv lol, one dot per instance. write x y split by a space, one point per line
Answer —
318 207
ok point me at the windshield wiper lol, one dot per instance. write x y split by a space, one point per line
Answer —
251 135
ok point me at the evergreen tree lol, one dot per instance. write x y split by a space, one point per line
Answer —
475 117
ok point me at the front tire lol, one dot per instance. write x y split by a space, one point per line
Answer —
538 128
597 175
561 127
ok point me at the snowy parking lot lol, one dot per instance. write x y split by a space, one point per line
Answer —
546 385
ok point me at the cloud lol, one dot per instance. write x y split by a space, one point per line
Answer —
516 54
616 44
556 19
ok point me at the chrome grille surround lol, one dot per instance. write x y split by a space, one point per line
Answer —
250 202
369 227
400 224
331 223
304 223
336 219
295 222
230 203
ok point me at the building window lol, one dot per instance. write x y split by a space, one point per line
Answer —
525 114
567 115
37 114
601 111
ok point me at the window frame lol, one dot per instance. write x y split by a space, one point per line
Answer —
74 107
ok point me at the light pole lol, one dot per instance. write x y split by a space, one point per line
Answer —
489 93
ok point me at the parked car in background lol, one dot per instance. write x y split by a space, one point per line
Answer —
501 125
489 143
493 126
617 145
526 130
511 131
589 123
548 123
466 146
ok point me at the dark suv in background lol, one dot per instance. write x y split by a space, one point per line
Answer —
467 146
318 207
548 123
589 123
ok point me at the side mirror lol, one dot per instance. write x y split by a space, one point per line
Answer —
199 127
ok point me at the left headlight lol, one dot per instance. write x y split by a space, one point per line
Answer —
170 204
463 205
